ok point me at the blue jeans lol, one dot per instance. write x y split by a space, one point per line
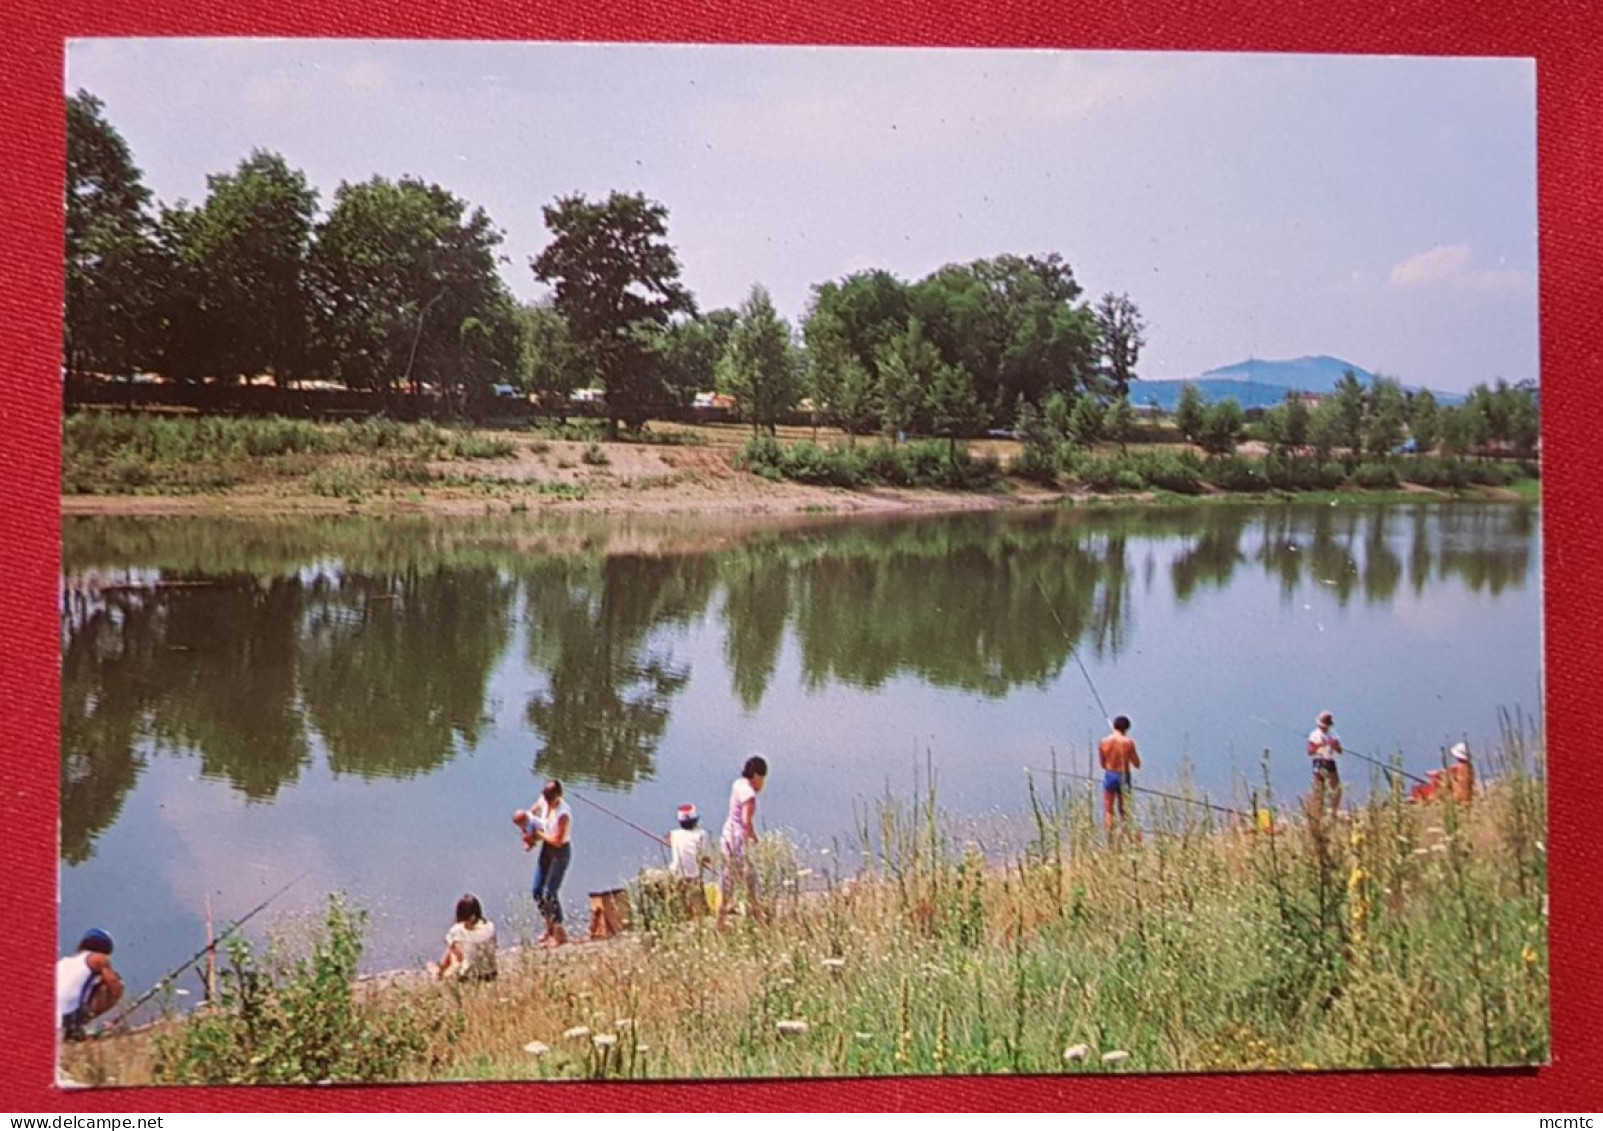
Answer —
548 873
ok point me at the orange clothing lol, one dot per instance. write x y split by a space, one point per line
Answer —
1461 780
1118 753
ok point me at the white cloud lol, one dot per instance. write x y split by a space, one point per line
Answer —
1452 265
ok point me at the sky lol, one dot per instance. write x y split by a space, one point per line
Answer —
1377 209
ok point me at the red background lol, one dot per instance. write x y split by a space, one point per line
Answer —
1564 37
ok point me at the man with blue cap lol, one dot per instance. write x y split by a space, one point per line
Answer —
86 984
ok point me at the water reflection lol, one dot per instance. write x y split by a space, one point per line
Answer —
376 643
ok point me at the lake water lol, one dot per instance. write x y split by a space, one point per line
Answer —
362 702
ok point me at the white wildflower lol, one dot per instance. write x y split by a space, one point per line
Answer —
834 963
536 1048
1076 1052
861 1036
792 1028
604 1040
1117 1056
624 1023
577 1033
1442 1064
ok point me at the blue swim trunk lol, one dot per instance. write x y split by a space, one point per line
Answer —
1114 782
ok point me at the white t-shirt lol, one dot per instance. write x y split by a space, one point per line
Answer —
477 944
73 980
739 793
1323 744
546 818
687 846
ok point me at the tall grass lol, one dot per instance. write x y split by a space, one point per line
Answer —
1396 935
133 452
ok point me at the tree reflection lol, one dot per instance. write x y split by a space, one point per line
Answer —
395 666
606 703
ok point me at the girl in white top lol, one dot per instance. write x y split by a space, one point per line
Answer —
740 833
469 945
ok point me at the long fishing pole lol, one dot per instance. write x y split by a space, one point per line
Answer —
658 837
163 982
1074 651
1140 789
1390 769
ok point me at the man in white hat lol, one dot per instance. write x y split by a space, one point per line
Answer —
1323 746
688 846
1461 775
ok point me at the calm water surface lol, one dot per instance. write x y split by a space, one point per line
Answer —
364 701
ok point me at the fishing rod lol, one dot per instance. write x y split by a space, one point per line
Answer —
1140 789
1074 651
1390 769
163 982
658 837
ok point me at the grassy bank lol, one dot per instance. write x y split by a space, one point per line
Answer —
1405 935
1171 473
150 462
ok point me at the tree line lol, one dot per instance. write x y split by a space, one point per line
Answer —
395 287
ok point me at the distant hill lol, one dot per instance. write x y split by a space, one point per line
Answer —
1260 383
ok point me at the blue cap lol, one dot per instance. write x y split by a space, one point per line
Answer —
96 939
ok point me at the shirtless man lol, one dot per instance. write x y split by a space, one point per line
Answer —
1119 757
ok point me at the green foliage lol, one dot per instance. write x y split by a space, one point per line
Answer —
1232 473
1118 423
1424 422
1167 471
1222 426
595 455
1107 474
919 463
1376 476
760 366
1085 422
617 285
1120 331
1190 413
1348 405
472 445
112 285
1385 413
300 1020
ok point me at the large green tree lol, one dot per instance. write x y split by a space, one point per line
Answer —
616 280
760 368
110 285
407 293
1121 331
235 300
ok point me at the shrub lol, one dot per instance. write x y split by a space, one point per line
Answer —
1106 474
299 1020
1167 471
471 445
406 469
1232 473
1376 477
1290 473
595 456
1036 465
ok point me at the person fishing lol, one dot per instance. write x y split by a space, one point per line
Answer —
86 984
1323 747
740 837
1119 758
687 845
548 823
1461 775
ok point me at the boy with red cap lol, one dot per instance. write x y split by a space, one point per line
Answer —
688 846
